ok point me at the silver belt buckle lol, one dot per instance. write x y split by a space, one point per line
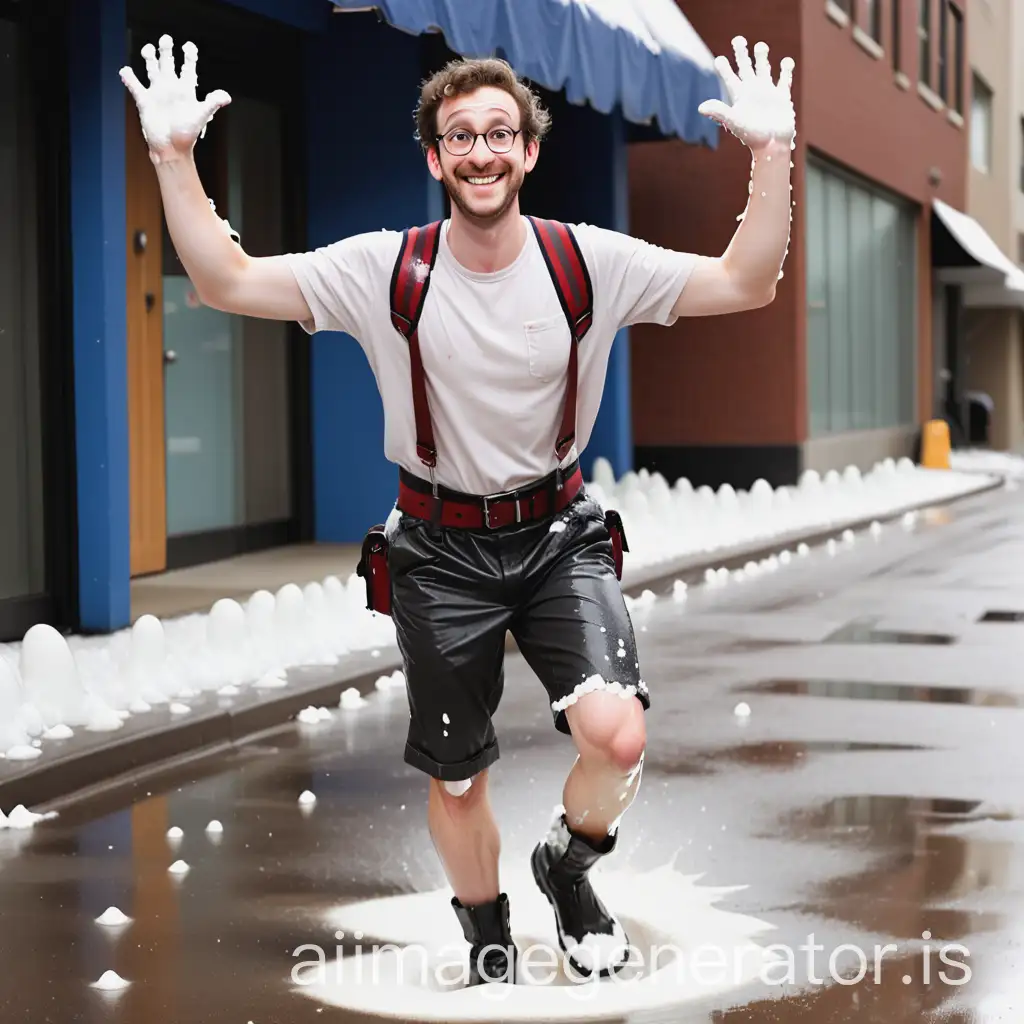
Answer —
504 496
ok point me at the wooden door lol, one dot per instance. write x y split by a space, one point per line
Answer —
146 445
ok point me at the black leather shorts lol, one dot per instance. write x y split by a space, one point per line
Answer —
455 594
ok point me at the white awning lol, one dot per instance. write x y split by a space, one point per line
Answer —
994 280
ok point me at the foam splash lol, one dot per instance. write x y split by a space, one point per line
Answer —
112 917
110 981
666 915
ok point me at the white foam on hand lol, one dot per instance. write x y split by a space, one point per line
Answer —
759 110
169 111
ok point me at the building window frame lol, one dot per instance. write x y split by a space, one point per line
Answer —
1020 157
41 27
869 364
958 56
874 19
981 124
896 9
925 48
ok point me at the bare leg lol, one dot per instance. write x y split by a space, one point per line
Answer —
610 738
466 838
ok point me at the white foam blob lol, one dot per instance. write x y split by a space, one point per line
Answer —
215 827
177 708
666 915
312 715
58 732
23 752
175 832
270 681
229 691
50 678
22 818
351 698
110 981
113 918
179 867
306 798
742 710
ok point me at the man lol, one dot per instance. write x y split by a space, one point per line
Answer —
495 348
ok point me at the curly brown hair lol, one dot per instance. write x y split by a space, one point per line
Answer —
459 77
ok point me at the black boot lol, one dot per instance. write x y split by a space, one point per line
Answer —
487 925
560 865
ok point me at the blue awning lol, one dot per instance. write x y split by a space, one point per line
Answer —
640 54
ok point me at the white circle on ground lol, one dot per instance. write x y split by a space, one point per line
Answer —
412 963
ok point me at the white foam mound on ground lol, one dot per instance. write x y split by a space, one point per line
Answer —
95 683
49 683
407 957
978 460
664 523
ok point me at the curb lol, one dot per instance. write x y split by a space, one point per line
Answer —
211 728
691 568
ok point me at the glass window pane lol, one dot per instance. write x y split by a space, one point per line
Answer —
838 304
907 340
888 359
22 569
817 303
863 326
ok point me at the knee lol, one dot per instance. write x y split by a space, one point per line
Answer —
460 796
628 745
609 730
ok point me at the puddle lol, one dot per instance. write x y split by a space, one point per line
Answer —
852 689
862 631
1002 616
772 755
916 863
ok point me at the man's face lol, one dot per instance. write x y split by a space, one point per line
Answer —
483 185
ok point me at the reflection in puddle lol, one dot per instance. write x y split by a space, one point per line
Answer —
863 631
773 754
919 863
851 689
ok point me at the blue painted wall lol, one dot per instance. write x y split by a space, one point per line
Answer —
366 173
583 177
97 29
605 189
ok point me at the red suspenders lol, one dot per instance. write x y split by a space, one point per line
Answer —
411 282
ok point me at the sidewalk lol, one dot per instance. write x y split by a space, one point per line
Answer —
217 656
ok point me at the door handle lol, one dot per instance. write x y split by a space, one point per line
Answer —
150 302
170 356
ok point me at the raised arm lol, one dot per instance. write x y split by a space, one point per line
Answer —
762 117
224 275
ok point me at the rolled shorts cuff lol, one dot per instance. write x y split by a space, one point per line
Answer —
457 772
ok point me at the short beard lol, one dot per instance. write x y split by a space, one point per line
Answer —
482 219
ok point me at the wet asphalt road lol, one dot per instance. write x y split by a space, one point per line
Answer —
873 796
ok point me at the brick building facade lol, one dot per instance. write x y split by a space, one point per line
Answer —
842 368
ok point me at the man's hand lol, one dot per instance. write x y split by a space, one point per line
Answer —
171 115
761 112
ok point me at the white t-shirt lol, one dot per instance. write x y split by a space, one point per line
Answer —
495 347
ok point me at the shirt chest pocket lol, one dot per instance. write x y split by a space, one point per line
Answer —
547 346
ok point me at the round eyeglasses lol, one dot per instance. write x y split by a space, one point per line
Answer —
460 142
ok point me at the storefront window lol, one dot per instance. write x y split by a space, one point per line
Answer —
861 293
22 568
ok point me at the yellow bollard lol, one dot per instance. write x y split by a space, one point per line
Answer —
935 445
